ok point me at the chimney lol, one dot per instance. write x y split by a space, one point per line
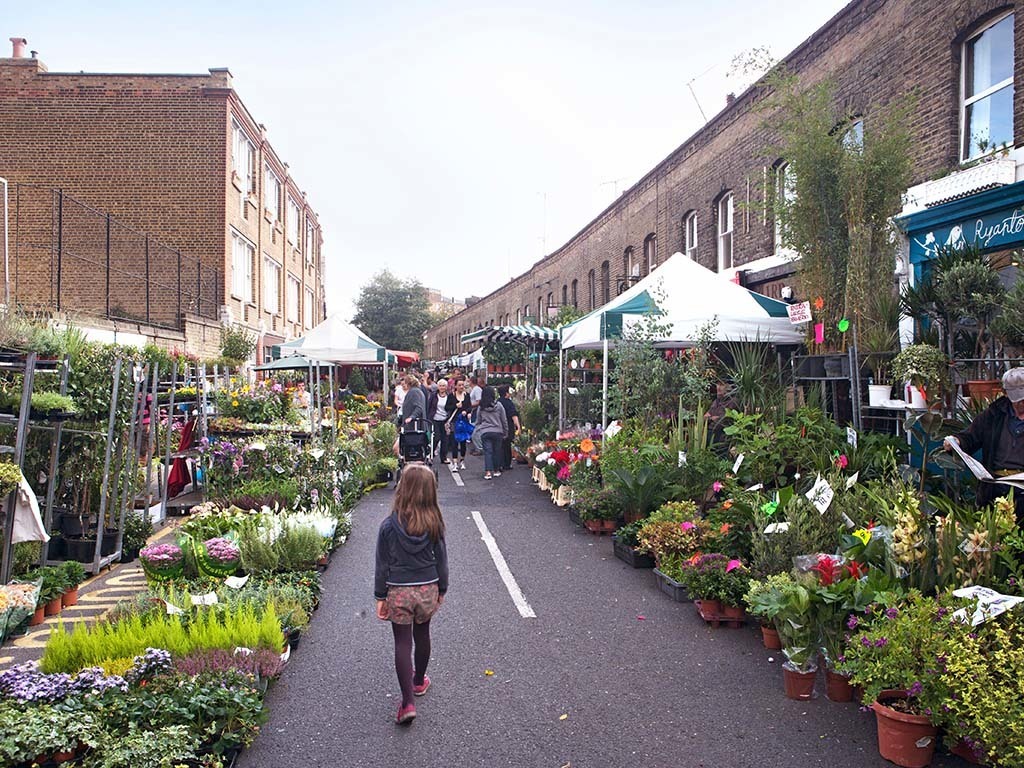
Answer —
18 47
729 99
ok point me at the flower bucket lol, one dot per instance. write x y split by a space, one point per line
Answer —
879 394
837 686
799 685
904 739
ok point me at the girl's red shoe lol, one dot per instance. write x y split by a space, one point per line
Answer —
419 690
405 714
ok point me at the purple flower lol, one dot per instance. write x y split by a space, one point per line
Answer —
892 613
881 642
915 689
852 622
865 641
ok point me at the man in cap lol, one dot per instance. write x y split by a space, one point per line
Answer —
999 432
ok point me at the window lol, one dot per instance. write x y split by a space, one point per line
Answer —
606 280
271 285
540 309
785 194
651 252
986 113
628 268
242 254
272 195
310 241
725 232
853 137
519 317
690 235
242 151
592 289
565 295
293 222
308 307
574 284
294 292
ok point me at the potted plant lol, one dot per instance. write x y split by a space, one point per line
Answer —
52 406
643 490
706 580
162 562
923 367
790 605
625 545
74 574
732 585
137 529
878 340
218 557
598 509
762 600
897 659
52 581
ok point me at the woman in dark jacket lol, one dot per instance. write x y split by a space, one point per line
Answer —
440 409
463 410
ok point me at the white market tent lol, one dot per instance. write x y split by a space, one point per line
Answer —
337 341
691 296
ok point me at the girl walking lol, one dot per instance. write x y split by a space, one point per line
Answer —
411 579
492 426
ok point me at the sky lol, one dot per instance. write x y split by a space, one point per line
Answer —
453 142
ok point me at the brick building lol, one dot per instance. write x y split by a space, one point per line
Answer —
962 60
176 157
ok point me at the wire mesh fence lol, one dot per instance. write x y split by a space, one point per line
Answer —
67 256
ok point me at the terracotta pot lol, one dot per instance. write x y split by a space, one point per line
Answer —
837 686
799 685
53 607
907 740
600 527
973 755
734 614
63 757
710 611
69 598
37 617
983 389
770 637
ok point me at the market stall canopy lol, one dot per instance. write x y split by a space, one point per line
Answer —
336 341
692 296
290 363
473 361
404 358
527 333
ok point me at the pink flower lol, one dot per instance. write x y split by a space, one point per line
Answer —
717 486
841 461
686 526
733 565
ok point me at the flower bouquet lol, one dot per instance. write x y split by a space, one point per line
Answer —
218 557
162 562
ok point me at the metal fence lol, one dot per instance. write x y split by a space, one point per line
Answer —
69 257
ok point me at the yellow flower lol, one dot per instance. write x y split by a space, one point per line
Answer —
234 403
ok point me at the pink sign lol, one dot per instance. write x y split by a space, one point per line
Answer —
819 333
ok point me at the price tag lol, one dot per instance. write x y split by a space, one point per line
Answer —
208 599
777 527
821 495
736 464
682 459
236 582
851 437
852 480
172 610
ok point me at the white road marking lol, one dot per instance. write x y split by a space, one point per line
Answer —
456 476
503 570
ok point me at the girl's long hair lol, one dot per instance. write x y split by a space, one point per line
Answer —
416 502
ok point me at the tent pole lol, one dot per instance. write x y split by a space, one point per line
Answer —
540 368
604 393
561 389
387 400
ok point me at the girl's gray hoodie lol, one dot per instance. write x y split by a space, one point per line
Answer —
405 560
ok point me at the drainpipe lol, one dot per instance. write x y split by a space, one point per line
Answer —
7 280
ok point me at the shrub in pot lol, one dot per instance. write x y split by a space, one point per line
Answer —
790 605
74 574
598 508
896 657
137 530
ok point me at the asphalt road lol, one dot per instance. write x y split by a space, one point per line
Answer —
586 683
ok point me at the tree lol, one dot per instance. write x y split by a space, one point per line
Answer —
393 312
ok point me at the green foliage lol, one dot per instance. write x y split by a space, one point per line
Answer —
298 548
90 645
137 529
642 491
1008 325
158 747
597 503
259 555
393 311
534 419
922 365
237 344
841 193
10 477
26 554
74 573
357 382
754 378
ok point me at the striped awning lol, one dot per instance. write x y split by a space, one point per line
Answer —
526 333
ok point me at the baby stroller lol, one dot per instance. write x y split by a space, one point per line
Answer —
414 441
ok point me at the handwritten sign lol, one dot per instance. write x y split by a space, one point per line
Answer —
821 495
799 313
851 437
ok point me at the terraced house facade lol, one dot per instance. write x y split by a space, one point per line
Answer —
960 60
153 203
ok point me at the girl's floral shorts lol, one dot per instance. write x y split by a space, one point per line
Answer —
407 605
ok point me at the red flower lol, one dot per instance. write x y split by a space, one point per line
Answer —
827 570
856 570
560 456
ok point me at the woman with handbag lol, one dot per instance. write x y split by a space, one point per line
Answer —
440 408
462 429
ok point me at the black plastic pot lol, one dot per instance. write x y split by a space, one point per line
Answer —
574 515
58 549
70 525
81 550
630 556
109 541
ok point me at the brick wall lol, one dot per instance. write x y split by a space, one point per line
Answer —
875 51
155 152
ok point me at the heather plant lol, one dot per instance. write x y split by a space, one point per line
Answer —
263 664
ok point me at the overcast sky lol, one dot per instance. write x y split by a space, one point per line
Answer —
456 142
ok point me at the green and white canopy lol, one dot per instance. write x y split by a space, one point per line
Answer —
337 341
693 296
527 333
